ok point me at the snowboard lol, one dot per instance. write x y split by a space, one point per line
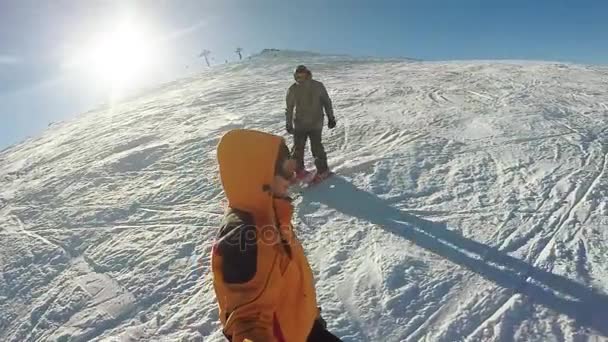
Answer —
308 179
313 181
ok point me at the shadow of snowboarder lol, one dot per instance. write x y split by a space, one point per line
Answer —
588 307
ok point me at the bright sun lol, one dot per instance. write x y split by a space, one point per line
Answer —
119 58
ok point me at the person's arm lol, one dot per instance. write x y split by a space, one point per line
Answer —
250 280
291 103
327 105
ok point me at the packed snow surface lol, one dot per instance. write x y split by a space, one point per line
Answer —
470 204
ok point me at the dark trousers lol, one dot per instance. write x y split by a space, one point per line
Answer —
320 334
316 146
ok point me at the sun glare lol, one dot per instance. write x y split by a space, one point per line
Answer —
119 58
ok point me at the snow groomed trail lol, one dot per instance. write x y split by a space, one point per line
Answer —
469 204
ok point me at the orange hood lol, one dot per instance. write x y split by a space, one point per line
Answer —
247 162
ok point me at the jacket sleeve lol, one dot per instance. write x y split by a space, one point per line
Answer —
251 277
326 101
291 103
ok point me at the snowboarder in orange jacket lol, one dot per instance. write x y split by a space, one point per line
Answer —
261 276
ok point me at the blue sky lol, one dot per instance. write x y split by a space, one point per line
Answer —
37 37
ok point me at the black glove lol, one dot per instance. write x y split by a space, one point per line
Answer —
331 123
289 128
320 319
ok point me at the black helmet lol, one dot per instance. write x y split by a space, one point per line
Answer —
302 69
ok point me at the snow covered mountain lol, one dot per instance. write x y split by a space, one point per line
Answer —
470 203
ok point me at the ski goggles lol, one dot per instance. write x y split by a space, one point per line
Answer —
285 166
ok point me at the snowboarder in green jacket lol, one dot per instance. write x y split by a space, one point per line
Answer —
311 102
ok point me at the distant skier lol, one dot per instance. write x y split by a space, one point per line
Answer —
309 98
262 280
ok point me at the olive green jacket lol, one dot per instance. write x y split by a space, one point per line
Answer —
309 98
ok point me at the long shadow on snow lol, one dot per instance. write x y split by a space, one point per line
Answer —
585 305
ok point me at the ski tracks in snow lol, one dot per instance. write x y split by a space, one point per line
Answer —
119 208
536 228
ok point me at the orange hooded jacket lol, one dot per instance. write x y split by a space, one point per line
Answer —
262 279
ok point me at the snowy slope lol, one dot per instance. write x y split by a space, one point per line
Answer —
470 204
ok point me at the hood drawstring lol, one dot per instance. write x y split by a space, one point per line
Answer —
277 226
